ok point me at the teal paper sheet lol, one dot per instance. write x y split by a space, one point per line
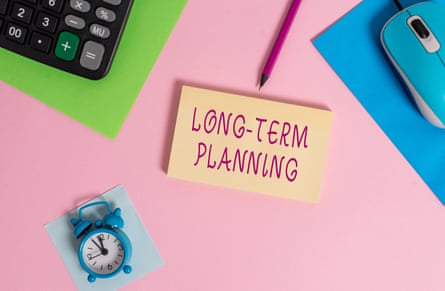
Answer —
352 48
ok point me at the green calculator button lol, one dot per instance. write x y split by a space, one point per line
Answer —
66 46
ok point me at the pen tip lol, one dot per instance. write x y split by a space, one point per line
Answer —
263 80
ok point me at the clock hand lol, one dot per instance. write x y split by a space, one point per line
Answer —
103 250
97 245
92 257
101 241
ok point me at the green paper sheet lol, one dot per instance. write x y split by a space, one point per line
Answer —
104 104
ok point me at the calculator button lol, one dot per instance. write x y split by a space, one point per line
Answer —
80 5
105 14
113 2
99 31
3 6
66 46
16 32
91 57
46 22
22 13
75 22
40 42
54 5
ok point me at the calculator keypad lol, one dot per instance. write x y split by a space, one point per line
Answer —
78 36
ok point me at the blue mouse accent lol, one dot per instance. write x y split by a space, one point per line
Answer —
423 71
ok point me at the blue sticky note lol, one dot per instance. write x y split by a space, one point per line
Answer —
145 257
352 48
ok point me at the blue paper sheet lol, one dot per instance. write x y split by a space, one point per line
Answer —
352 47
145 258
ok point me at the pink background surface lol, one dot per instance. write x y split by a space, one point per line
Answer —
377 226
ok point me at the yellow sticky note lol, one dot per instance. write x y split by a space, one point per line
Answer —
250 144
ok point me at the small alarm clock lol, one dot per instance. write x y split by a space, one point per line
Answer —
105 250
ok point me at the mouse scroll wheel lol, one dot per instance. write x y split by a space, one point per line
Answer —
420 28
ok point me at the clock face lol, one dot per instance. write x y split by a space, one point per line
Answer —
102 253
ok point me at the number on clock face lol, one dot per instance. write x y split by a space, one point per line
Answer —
103 253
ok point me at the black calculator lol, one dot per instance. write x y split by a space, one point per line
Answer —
77 36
